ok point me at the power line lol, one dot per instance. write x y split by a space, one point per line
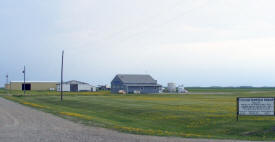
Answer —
147 28
149 18
165 22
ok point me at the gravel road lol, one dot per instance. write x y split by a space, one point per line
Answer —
23 124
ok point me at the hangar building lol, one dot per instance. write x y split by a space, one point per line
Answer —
76 86
32 85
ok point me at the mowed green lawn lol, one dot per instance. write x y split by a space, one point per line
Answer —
188 115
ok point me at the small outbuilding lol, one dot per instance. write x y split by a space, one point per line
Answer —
103 88
76 86
135 83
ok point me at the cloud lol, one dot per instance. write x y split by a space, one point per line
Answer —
197 40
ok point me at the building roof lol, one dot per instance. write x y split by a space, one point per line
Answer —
136 78
74 82
35 81
150 85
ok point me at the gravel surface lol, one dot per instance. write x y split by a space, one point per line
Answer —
19 123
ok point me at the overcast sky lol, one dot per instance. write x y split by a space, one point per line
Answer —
190 42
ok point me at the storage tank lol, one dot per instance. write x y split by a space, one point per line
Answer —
172 87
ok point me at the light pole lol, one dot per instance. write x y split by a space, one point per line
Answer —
7 83
7 79
61 83
24 72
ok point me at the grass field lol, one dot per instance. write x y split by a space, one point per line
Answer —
187 115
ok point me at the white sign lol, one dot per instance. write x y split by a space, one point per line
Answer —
256 106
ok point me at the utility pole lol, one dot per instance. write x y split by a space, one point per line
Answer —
24 72
61 84
7 77
7 83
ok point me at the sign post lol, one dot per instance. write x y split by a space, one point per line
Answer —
257 106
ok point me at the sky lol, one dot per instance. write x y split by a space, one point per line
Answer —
189 42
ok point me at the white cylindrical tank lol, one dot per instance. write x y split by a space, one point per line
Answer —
172 87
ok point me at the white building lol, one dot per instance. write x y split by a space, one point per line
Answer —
76 86
181 89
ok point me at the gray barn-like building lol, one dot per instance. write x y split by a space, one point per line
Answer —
133 83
